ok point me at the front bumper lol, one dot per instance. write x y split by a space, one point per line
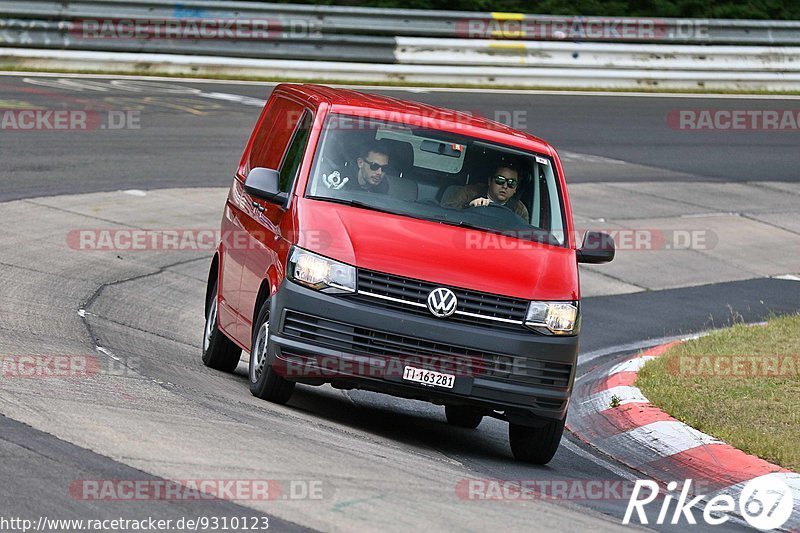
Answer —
317 337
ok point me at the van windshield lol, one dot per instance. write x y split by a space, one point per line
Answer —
438 176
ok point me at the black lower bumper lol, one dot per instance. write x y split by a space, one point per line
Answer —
322 338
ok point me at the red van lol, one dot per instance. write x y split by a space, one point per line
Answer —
374 243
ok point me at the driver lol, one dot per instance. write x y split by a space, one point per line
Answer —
499 189
372 165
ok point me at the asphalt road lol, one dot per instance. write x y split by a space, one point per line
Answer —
190 135
188 140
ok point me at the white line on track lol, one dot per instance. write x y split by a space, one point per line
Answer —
577 450
419 89
108 352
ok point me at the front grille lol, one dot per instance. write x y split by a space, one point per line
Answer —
491 309
357 340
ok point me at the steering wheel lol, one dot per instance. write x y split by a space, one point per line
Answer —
492 204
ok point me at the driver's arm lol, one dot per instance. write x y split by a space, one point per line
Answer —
460 197
479 202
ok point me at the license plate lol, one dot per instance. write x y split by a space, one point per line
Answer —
429 377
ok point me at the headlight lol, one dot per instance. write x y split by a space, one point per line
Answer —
320 273
558 318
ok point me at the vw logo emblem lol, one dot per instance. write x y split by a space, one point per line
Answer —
442 302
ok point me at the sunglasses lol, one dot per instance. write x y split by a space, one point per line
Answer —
375 166
502 180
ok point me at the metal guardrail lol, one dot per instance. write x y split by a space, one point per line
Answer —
617 56
424 23
65 35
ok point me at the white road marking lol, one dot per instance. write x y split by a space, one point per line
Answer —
417 89
708 215
577 450
135 192
245 100
108 352
589 158
139 86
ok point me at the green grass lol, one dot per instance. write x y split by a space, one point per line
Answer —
398 83
758 410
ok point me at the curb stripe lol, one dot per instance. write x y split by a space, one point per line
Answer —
631 365
719 465
620 379
656 351
612 422
601 400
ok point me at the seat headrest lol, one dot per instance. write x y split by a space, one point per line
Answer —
401 156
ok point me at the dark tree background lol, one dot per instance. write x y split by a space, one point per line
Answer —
753 9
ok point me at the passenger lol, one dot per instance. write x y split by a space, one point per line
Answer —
499 189
372 166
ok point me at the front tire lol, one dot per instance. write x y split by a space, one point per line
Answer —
219 352
265 383
535 445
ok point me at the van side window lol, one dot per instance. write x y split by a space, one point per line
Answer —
294 155
275 130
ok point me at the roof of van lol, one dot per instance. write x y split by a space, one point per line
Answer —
342 98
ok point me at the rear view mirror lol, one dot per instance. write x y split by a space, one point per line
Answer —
597 248
263 183
446 149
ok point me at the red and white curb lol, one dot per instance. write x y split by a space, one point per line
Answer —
647 439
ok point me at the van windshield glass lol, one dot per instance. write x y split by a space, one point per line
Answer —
438 176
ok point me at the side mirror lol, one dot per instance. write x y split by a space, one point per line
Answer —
597 248
263 183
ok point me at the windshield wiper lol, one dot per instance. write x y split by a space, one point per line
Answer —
354 203
462 224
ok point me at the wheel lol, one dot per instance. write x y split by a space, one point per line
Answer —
219 352
462 416
492 205
535 444
265 383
